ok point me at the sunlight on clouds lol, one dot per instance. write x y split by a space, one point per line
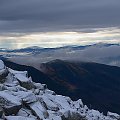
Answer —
57 39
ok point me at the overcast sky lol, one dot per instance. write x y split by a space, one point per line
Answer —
21 17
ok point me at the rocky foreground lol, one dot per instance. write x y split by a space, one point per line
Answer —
22 99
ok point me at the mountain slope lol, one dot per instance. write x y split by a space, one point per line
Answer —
92 82
17 89
89 81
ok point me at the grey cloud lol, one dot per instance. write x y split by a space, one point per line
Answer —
46 15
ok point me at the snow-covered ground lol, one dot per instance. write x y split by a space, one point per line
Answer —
22 99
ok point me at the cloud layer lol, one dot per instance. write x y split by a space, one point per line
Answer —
52 15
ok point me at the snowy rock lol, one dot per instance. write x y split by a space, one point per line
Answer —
78 104
2 66
50 104
10 104
3 72
22 78
39 110
1 111
39 86
14 72
2 87
95 115
24 81
47 91
113 115
62 102
36 91
18 118
73 115
26 97
25 113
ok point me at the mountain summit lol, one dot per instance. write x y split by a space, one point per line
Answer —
21 98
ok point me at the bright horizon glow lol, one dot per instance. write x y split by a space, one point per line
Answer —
58 39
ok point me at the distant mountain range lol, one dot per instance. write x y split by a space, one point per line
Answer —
101 53
98 85
41 49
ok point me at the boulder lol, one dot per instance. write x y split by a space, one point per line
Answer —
1 111
24 81
38 110
12 110
18 118
78 104
9 103
24 112
40 86
70 115
113 115
3 72
3 75
2 87
26 96
50 104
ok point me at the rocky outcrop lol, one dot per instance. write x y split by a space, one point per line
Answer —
21 98
3 72
9 103
24 81
113 115
39 110
1 111
73 116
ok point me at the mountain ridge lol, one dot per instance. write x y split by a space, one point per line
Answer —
17 89
89 81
